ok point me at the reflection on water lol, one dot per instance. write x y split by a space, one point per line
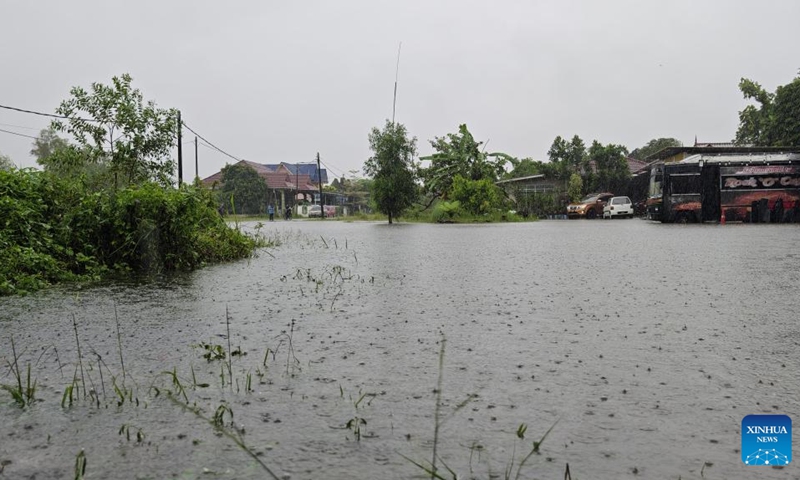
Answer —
645 345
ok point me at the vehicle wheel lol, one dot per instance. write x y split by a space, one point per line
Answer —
682 218
591 214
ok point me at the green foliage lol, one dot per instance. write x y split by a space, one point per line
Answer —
567 157
459 154
243 190
446 212
114 126
80 466
575 187
392 169
653 146
23 395
611 167
776 119
46 144
477 197
527 167
786 111
538 204
6 163
54 229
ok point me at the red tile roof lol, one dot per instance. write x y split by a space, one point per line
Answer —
280 179
635 165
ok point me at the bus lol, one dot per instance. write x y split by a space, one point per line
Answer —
760 188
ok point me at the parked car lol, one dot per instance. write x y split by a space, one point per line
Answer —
314 211
618 207
591 206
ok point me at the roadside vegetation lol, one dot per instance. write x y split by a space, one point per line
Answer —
106 202
457 182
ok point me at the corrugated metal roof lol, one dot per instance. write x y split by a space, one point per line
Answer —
741 158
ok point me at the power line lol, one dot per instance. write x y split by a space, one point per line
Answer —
340 174
22 110
18 126
18 134
211 144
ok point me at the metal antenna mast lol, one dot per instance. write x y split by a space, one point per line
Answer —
396 74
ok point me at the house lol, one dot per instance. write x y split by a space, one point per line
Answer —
635 166
288 184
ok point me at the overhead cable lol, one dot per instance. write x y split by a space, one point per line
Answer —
211 144
42 114
332 170
18 134
17 126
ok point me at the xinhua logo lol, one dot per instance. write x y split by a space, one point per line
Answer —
767 440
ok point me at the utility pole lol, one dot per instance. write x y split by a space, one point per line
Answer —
296 182
180 150
319 178
196 171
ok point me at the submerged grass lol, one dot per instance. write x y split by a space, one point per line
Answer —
430 467
23 395
217 422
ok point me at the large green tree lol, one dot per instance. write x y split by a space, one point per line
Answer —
459 154
653 146
775 121
243 189
568 157
392 169
612 172
113 125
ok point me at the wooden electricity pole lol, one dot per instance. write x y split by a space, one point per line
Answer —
196 171
180 150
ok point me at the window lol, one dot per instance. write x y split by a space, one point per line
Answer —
686 183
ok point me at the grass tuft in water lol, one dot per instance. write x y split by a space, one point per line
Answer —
80 466
125 429
217 422
23 395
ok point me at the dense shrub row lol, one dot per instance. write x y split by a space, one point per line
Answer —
54 230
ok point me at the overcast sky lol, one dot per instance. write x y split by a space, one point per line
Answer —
273 81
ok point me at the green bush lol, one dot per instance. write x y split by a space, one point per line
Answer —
447 212
57 230
477 197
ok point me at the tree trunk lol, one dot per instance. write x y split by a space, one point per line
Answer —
390 218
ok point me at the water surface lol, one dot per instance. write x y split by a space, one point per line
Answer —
644 344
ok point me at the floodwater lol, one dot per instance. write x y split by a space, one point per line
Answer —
642 345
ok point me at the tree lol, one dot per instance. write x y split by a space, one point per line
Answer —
567 157
575 187
786 111
459 154
524 167
243 189
46 144
776 121
113 125
612 168
653 146
6 163
392 168
58 156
